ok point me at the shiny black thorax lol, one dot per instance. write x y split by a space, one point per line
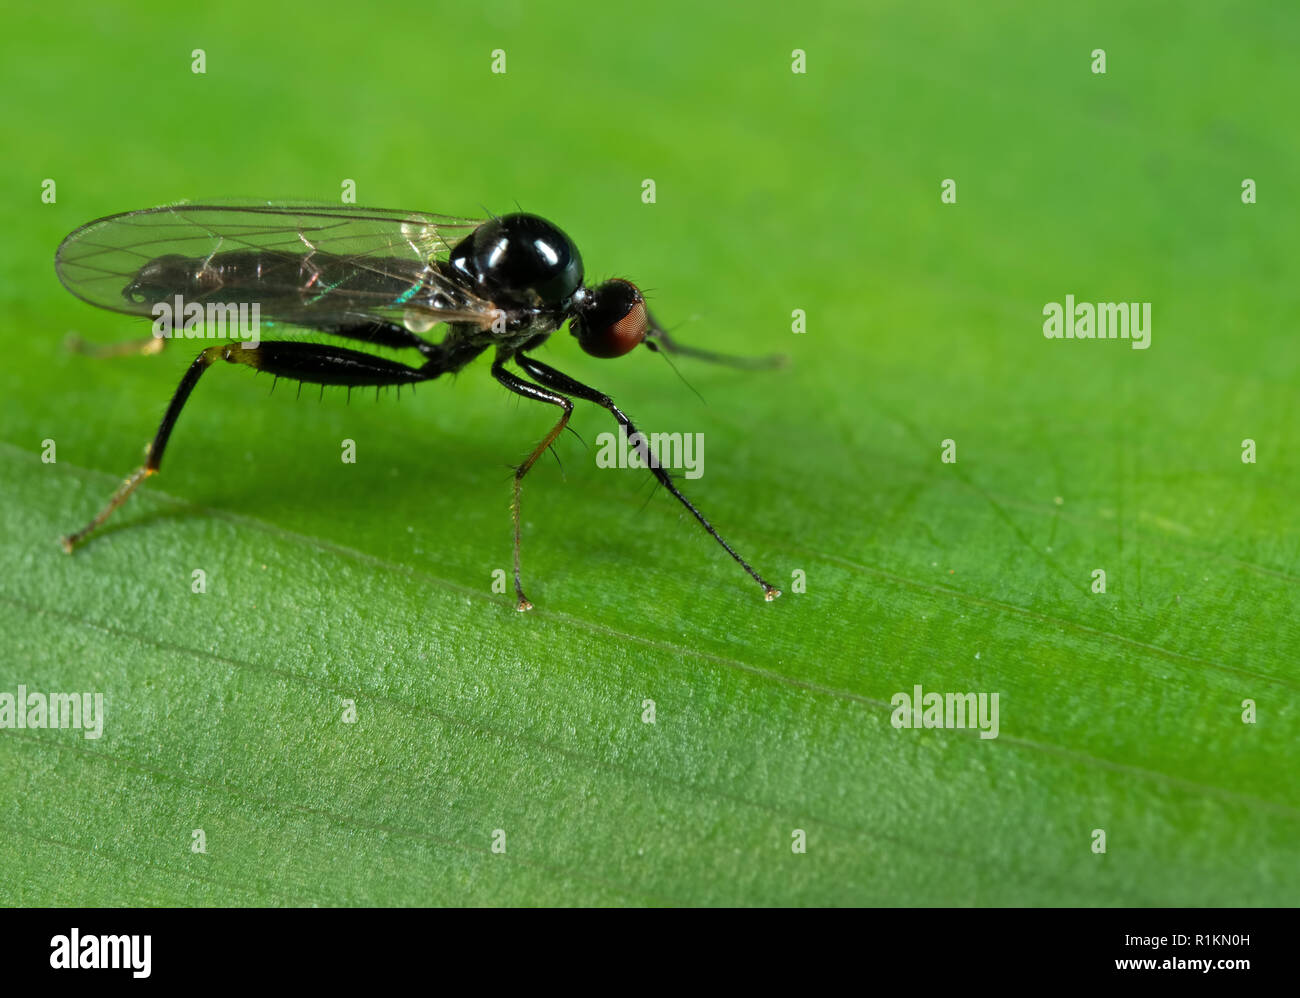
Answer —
527 267
519 261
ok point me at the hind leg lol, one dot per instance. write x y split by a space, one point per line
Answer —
313 363
127 348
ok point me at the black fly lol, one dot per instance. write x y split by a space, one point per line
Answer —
374 276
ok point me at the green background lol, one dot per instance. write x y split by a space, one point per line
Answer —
370 582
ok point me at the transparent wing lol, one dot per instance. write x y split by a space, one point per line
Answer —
302 262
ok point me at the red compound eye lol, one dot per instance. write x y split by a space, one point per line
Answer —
614 323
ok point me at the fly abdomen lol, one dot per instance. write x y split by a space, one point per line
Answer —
278 281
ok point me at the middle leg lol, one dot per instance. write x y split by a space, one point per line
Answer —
528 390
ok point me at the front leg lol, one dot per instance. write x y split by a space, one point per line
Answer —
561 382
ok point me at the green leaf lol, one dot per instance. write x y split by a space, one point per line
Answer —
334 587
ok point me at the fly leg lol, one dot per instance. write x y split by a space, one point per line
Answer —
146 345
561 382
312 363
528 390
